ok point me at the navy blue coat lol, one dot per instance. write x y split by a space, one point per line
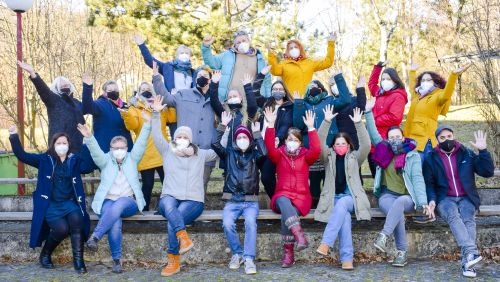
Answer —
468 164
107 120
42 195
165 68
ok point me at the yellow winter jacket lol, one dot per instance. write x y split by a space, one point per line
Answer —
133 121
422 119
297 75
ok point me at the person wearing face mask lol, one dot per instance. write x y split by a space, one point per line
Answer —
317 99
296 68
398 185
391 99
449 172
241 189
194 108
241 59
343 192
431 97
292 197
63 110
59 207
134 121
119 194
183 194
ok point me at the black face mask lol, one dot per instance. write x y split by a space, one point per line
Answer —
147 94
447 145
315 91
202 81
113 95
234 106
65 91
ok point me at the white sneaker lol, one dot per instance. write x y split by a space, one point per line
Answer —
250 267
236 261
472 260
471 272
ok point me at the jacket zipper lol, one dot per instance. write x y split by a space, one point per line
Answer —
452 175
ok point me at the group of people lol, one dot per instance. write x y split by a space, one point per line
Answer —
305 142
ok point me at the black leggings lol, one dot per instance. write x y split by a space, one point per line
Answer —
373 166
268 176
148 181
70 224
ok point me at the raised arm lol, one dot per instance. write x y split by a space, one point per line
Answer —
412 76
146 55
483 163
314 144
158 138
47 96
361 94
18 150
323 132
215 62
257 136
344 94
142 140
217 146
370 125
89 106
330 54
374 79
160 89
100 158
276 68
213 91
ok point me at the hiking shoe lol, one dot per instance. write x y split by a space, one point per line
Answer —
422 219
117 266
380 242
472 260
400 259
250 267
92 244
236 261
468 272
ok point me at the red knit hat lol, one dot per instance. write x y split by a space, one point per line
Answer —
242 130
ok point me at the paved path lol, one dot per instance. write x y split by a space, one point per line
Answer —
415 271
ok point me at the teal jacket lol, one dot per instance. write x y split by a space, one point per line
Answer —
109 168
225 62
412 172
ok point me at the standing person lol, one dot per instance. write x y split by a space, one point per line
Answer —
241 189
119 193
316 100
343 192
431 97
59 199
182 196
63 110
449 172
297 68
134 121
194 109
241 59
398 185
292 197
178 74
390 102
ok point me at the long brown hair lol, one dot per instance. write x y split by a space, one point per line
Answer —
271 102
51 150
347 138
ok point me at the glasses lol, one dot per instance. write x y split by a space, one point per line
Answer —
119 148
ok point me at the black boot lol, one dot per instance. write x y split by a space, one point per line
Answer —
46 253
77 248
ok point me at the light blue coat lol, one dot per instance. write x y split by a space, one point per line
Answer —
109 168
412 171
225 62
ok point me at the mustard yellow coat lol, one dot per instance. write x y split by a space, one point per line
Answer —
422 119
133 121
297 75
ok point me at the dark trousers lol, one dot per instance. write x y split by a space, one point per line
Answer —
268 176
373 166
316 180
148 181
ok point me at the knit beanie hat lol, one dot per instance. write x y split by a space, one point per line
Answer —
184 130
241 129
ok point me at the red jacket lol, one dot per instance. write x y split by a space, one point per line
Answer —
293 173
389 107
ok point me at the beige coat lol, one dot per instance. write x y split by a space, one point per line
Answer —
353 161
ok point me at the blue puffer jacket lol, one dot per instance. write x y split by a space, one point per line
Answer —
225 62
43 193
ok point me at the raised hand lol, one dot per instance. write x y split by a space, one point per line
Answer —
156 70
369 105
332 36
356 117
138 39
309 119
361 82
87 79
413 67
270 116
146 117
247 79
256 126
462 69
328 111
12 130
337 71
157 105
27 67
216 76
226 118
296 95
480 137
265 70
208 40
84 130
383 64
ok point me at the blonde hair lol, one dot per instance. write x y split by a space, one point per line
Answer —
118 139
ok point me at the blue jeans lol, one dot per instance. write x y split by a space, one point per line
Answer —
339 224
428 148
232 211
287 210
178 213
110 222
394 207
459 213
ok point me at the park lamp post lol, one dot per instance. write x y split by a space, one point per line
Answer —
19 7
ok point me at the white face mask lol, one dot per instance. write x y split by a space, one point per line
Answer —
335 90
387 85
291 146
61 149
243 47
243 144
234 100
182 143
294 53
119 154
426 85
184 57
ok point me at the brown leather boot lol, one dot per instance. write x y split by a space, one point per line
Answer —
185 243
347 265
173 265
323 249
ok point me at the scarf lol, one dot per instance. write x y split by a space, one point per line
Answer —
315 100
118 103
187 152
182 67
384 153
286 57
423 93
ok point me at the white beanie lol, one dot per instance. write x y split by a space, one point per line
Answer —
186 130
